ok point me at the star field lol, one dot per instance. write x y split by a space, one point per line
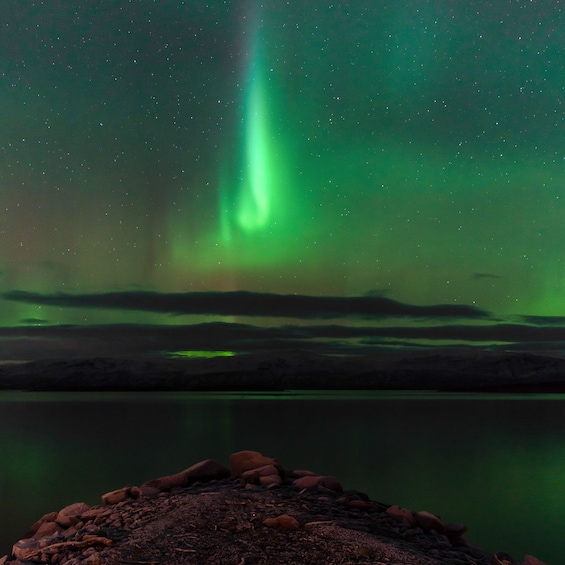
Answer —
413 149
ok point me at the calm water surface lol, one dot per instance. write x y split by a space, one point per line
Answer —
495 463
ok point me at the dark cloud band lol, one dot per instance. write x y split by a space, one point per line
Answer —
242 303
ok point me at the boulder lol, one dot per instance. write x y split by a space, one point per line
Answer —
429 522
203 471
70 515
402 515
116 496
169 482
315 481
26 549
207 470
75 509
46 529
246 460
50 517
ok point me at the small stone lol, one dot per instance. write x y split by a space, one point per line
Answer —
284 522
367 553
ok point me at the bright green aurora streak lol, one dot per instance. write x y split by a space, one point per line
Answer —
255 196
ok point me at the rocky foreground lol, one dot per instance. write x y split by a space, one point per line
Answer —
253 513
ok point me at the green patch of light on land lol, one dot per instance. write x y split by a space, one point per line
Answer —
193 354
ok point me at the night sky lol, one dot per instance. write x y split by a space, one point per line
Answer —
394 165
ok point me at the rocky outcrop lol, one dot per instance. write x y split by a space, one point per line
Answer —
225 514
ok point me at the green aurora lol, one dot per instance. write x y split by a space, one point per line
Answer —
408 149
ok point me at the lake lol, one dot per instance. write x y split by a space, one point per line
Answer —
493 462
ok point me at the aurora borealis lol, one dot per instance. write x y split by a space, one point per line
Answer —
408 152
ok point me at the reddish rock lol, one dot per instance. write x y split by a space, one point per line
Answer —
46 529
315 481
253 475
531 560
297 473
25 549
94 513
429 522
169 482
205 471
50 517
67 521
246 460
270 480
116 496
364 505
148 492
75 509
135 492
284 522
402 515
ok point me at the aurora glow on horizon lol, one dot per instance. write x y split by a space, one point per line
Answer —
398 149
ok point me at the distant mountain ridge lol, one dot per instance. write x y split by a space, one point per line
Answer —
520 372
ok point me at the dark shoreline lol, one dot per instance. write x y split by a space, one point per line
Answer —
277 372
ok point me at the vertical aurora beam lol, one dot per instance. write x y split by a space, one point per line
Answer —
248 199
255 198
